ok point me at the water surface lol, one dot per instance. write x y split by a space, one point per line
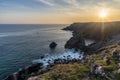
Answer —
21 44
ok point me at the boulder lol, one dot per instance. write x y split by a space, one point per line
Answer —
119 43
53 45
43 56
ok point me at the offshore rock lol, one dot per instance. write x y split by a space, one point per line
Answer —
53 45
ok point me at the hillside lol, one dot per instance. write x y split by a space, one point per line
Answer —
102 65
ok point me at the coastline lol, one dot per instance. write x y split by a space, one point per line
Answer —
18 51
94 47
42 66
92 31
102 65
26 71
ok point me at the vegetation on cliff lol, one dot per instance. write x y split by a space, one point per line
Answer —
102 65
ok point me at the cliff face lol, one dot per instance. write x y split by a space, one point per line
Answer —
76 42
94 30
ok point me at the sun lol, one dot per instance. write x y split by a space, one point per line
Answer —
103 13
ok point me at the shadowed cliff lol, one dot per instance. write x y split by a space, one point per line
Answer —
95 30
102 35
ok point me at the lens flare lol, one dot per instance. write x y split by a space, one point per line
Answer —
103 13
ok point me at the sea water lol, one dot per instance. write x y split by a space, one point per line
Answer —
24 44
21 44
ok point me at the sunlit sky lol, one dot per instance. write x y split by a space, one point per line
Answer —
57 11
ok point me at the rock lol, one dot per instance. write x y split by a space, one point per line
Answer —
53 45
10 77
119 43
43 56
118 71
95 46
34 68
76 42
35 78
99 70
25 72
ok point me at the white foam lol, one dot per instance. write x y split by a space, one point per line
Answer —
71 53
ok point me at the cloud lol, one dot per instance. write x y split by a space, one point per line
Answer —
73 10
72 2
47 2
60 3
117 0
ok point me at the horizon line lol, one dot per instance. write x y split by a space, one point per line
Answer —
57 23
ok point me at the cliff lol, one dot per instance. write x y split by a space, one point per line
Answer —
102 36
94 30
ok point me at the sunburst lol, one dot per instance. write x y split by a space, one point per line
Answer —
103 13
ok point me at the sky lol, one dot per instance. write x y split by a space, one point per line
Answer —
57 11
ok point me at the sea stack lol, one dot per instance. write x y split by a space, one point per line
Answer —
53 45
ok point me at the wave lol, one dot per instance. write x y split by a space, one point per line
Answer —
67 54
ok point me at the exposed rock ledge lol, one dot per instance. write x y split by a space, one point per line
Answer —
76 42
23 73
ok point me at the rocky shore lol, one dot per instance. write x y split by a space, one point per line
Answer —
103 59
102 65
44 64
26 72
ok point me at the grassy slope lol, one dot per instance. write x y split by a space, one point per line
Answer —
80 71
66 72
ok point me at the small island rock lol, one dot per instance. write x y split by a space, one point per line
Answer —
53 45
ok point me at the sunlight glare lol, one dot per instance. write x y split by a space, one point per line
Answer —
103 13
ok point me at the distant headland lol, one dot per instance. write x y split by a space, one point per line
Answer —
102 35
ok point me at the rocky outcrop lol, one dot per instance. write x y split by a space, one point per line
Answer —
95 46
23 73
93 31
53 45
76 42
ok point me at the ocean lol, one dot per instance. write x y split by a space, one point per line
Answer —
21 44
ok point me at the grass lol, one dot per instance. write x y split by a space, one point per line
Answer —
79 71
66 72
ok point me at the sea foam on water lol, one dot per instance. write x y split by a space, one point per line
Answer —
67 54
